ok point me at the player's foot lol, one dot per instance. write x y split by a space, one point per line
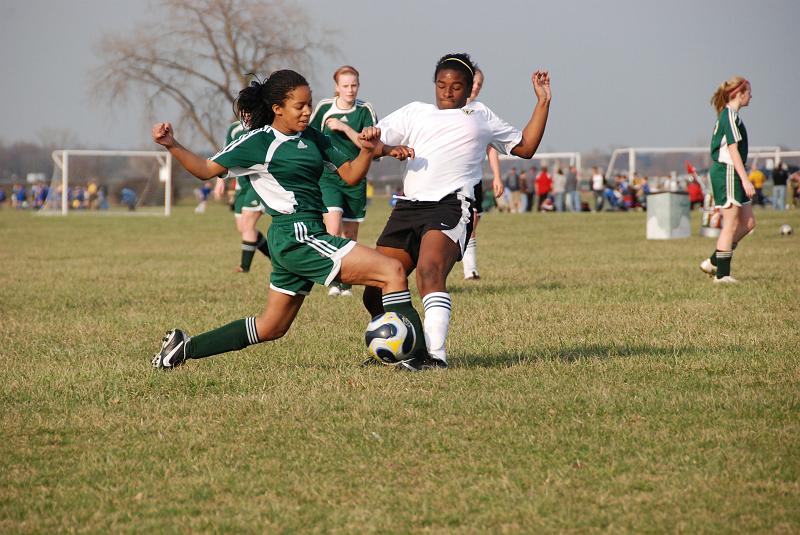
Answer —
240 269
172 352
472 276
347 292
727 279
334 291
708 268
421 364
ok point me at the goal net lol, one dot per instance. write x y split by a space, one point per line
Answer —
110 181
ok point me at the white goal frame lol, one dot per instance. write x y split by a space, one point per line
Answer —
164 158
754 153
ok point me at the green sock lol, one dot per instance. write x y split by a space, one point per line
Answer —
343 286
400 303
248 250
724 263
713 258
262 245
231 337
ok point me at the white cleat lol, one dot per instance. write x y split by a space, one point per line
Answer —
334 291
727 279
708 268
346 293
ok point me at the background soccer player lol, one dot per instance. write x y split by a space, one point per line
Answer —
729 180
341 118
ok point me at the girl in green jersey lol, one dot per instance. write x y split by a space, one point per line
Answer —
284 159
729 180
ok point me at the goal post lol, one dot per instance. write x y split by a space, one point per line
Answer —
58 199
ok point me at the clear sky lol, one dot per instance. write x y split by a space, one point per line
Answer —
624 72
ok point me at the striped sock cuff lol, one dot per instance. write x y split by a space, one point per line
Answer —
394 298
436 299
248 246
473 242
724 254
250 326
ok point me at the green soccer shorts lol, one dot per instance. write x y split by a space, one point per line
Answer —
339 196
246 198
304 253
726 186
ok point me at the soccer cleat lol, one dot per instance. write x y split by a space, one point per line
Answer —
727 279
173 350
473 277
334 291
240 269
346 293
708 268
421 364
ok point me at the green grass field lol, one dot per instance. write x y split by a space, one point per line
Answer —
598 382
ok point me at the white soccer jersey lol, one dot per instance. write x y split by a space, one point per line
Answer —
449 146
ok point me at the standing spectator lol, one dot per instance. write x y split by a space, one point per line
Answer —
695 194
598 187
544 184
202 196
128 198
757 178
779 177
572 190
19 197
511 183
2 197
559 188
524 193
531 178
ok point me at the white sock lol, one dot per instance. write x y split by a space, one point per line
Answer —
470 259
437 321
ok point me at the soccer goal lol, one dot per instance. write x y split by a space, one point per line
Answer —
110 181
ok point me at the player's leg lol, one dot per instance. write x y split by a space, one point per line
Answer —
247 226
470 260
372 295
271 324
353 213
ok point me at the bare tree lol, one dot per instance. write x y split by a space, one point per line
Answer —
198 53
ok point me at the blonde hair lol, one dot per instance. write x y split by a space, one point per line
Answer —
344 69
726 90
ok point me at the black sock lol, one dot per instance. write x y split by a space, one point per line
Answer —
261 244
248 250
724 259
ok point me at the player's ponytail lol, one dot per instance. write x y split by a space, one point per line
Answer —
727 90
258 98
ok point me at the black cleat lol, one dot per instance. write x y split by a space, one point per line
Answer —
418 364
173 350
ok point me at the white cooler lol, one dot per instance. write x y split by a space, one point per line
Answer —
668 215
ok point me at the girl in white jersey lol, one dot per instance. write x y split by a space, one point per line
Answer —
430 224
284 158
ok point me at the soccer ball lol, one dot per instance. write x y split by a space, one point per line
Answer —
390 337
786 230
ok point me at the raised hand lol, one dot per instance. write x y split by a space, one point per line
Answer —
162 134
541 85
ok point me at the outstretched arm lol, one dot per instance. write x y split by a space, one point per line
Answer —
534 130
356 169
197 165
338 126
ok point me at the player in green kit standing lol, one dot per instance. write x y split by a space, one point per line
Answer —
729 180
341 118
247 206
284 159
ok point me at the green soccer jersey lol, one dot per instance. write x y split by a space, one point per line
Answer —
358 117
284 170
729 129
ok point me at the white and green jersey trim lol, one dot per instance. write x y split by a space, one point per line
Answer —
284 170
728 129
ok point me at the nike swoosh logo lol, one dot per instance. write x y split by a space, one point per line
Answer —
167 360
443 224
